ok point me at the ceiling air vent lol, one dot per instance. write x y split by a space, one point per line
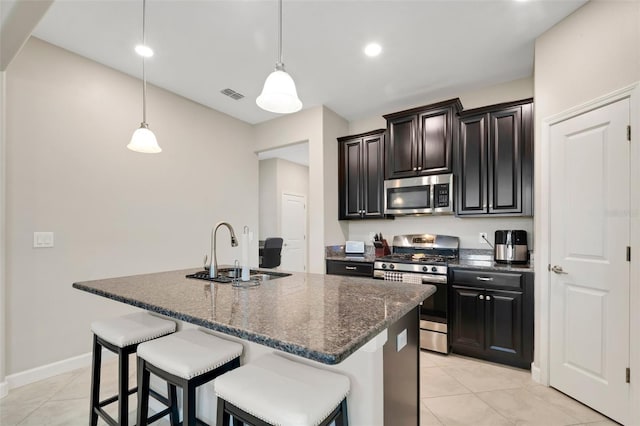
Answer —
232 94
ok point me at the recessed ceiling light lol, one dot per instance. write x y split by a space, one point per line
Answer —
144 51
372 49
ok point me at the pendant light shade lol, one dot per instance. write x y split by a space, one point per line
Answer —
143 139
279 93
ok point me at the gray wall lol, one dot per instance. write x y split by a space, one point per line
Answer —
114 212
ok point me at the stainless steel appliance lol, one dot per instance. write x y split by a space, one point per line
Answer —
419 195
511 246
422 259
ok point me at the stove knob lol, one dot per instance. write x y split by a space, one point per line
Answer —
392 266
425 269
434 269
384 266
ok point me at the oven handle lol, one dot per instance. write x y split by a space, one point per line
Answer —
484 278
434 279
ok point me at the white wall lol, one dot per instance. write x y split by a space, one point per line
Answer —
333 126
268 207
591 53
4 386
278 176
319 127
467 228
114 212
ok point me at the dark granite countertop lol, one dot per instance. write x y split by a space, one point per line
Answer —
321 317
483 259
345 258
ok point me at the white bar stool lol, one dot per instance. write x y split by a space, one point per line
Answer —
188 359
274 390
121 336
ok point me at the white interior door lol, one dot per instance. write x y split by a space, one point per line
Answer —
589 282
294 228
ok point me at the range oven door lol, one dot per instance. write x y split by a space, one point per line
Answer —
433 320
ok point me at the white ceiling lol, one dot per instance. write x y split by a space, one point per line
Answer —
430 48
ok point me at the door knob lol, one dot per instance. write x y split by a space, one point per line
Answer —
558 269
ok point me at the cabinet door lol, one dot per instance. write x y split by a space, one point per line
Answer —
505 161
472 166
373 179
468 318
350 177
435 142
402 153
504 325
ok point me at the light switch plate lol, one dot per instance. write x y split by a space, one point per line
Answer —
42 239
401 340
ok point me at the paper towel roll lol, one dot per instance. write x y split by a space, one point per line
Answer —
244 242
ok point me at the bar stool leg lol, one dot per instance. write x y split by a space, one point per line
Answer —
189 405
95 381
143 393
123 385
173 400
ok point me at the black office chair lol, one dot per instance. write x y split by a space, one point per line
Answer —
270 257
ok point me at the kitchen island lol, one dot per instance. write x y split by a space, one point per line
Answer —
357 326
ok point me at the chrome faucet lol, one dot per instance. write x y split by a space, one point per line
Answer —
213 267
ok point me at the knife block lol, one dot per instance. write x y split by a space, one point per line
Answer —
384 250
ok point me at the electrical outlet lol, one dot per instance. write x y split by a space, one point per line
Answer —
482 238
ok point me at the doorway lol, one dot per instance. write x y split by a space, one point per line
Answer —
284 191
589 268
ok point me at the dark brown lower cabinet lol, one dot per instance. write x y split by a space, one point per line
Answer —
491 322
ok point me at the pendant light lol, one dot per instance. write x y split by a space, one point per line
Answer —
279 92
143 139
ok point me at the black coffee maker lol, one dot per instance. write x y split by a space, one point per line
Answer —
511 246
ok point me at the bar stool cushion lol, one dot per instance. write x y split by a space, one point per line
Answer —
132 329
189 353
283 392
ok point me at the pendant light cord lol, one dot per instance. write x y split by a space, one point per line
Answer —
280 64
144 79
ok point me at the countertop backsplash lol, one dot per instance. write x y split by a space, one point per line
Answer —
467 229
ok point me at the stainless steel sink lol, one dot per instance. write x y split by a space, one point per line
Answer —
227 275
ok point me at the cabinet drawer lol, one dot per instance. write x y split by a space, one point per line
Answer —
504 280
359 269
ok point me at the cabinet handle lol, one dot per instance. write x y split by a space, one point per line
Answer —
419 168
488 298
415 168
484 278
481 297
350 268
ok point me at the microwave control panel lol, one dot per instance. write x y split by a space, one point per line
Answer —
441 195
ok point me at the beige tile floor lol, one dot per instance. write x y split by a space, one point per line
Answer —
454 391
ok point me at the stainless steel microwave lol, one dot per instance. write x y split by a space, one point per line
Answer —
419 195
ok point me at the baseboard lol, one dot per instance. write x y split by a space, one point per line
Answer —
46 371
4 389
535 373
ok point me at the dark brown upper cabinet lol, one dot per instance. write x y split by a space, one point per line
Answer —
361 175
494 155
421 140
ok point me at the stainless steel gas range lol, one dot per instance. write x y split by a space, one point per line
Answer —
423 259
